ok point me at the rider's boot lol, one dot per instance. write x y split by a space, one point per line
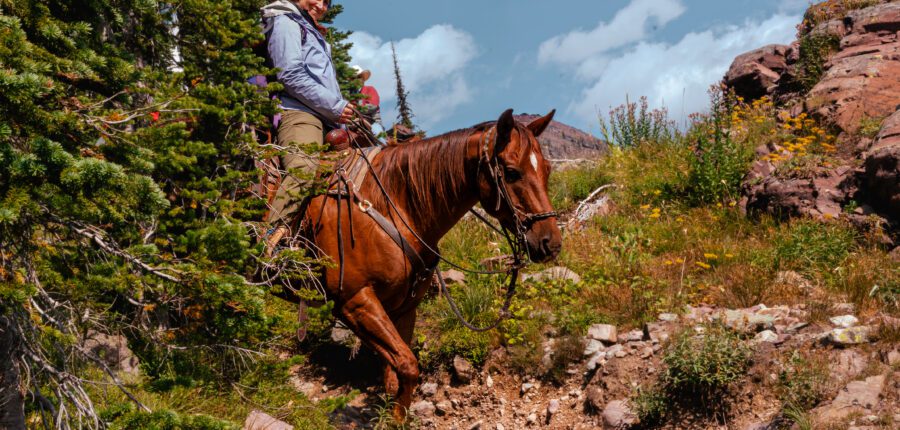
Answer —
273 238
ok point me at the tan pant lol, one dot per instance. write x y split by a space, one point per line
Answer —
301 134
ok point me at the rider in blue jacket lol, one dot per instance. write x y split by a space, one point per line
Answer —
311 101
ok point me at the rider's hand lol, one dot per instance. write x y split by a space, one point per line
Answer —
347 114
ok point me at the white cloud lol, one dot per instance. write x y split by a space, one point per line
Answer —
431 65
629 25
673 75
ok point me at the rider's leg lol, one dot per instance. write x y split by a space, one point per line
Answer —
300 133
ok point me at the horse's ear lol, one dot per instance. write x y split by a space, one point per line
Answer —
539 125
505 126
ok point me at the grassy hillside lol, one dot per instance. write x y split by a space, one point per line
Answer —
674 237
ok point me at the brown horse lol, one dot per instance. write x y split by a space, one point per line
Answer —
428 187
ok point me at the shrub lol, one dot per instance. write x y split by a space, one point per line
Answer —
809 246
567 350
167 420
705 364
650 405
802 382
720 161
630 126
569 186
814 51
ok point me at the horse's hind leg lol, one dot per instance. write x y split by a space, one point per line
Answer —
364 314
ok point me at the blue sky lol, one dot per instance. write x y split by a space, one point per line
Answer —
466 61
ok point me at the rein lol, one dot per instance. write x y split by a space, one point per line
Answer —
517 242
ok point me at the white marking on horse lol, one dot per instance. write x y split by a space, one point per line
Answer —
534 162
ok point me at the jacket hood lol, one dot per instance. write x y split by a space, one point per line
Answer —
278 7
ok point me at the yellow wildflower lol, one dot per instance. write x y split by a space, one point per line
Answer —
710 256
703 265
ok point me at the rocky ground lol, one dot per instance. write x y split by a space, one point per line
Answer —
863 381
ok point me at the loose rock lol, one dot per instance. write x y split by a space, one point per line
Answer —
766 336
422 409
428 389
463 370
844 321
603 332
617 414
849 336
258 420
553 273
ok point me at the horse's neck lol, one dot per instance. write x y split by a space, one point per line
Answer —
440 184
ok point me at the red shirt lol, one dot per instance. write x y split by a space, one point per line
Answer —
371 96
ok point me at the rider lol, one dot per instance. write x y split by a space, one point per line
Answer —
370 102
311 101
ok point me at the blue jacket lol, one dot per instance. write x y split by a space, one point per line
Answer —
303 58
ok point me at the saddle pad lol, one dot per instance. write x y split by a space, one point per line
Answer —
353 170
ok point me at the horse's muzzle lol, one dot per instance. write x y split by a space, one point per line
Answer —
544 241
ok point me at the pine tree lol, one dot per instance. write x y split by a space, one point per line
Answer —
123 202
404 114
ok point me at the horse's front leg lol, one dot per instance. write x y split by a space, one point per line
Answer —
366 317
404 323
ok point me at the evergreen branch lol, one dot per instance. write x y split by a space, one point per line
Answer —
96 235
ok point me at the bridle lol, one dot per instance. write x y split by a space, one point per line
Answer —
517 241
522 220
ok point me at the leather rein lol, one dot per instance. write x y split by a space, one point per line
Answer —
515 239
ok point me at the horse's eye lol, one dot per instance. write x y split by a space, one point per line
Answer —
512 175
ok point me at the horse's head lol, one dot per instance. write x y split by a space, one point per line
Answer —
513 184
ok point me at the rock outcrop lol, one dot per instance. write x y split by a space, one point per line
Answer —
859 87
756 73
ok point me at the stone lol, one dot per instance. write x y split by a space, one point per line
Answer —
668 317
746 321
553 273
614 351
647 352
428 389
500 427
488 381
844 321
632 336
113 351
603 332
617 414
463 370
532 419
848 365
754 74
476 425
552 407
855 398
526 387
594 398
258 420
454 277
593 346
794 328
598 359
423 409
765 336
893 358
849 336
443 407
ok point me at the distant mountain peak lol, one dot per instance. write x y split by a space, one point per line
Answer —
564 142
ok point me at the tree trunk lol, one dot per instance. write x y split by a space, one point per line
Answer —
12 398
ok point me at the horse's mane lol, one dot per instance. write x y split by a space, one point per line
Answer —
426 173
